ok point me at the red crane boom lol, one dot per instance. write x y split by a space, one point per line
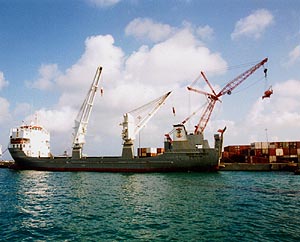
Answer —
225 90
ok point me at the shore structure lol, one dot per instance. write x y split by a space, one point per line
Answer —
281 155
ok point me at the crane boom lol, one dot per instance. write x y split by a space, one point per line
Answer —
134 121
205 116
239 79
229 87
143 121
84 113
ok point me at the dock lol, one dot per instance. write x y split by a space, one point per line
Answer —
6 163
259 167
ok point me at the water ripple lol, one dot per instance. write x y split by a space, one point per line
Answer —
225 206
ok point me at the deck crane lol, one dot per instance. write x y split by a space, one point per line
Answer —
135 120
214 97
83 116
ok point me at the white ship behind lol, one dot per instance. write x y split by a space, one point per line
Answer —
33 140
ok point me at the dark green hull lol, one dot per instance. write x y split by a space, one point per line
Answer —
183 161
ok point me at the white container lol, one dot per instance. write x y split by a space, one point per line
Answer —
279 152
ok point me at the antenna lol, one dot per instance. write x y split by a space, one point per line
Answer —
267 135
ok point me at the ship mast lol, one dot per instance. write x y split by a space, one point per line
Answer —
83 116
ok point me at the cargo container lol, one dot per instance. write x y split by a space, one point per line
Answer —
261 152
149 151
279 152
272 158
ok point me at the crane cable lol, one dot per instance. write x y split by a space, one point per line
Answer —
247 87
225 69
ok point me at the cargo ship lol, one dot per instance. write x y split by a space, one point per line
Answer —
29 145
188 153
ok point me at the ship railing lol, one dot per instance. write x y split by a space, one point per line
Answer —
203 150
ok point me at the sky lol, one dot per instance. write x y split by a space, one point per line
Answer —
50 50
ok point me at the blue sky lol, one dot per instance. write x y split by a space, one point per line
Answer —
50 51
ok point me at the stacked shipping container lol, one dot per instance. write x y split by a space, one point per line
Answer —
263 152
148 152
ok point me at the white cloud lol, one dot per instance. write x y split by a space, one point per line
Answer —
165 64
99 51
59 120
3 82
205 32
253 25
289 88
147 28
279 115
294 55
129 82
47 76
104 3
4 110
22 109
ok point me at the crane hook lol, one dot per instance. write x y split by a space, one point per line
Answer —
265 71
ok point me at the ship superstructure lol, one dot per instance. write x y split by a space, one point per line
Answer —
33 140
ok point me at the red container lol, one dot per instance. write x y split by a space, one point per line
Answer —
272 151
257 152
225 154
293 151
286 151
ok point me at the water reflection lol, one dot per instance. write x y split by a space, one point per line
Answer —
44 206
34 192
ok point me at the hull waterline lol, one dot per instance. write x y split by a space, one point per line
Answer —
204 161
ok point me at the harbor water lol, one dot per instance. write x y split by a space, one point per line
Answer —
82 206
